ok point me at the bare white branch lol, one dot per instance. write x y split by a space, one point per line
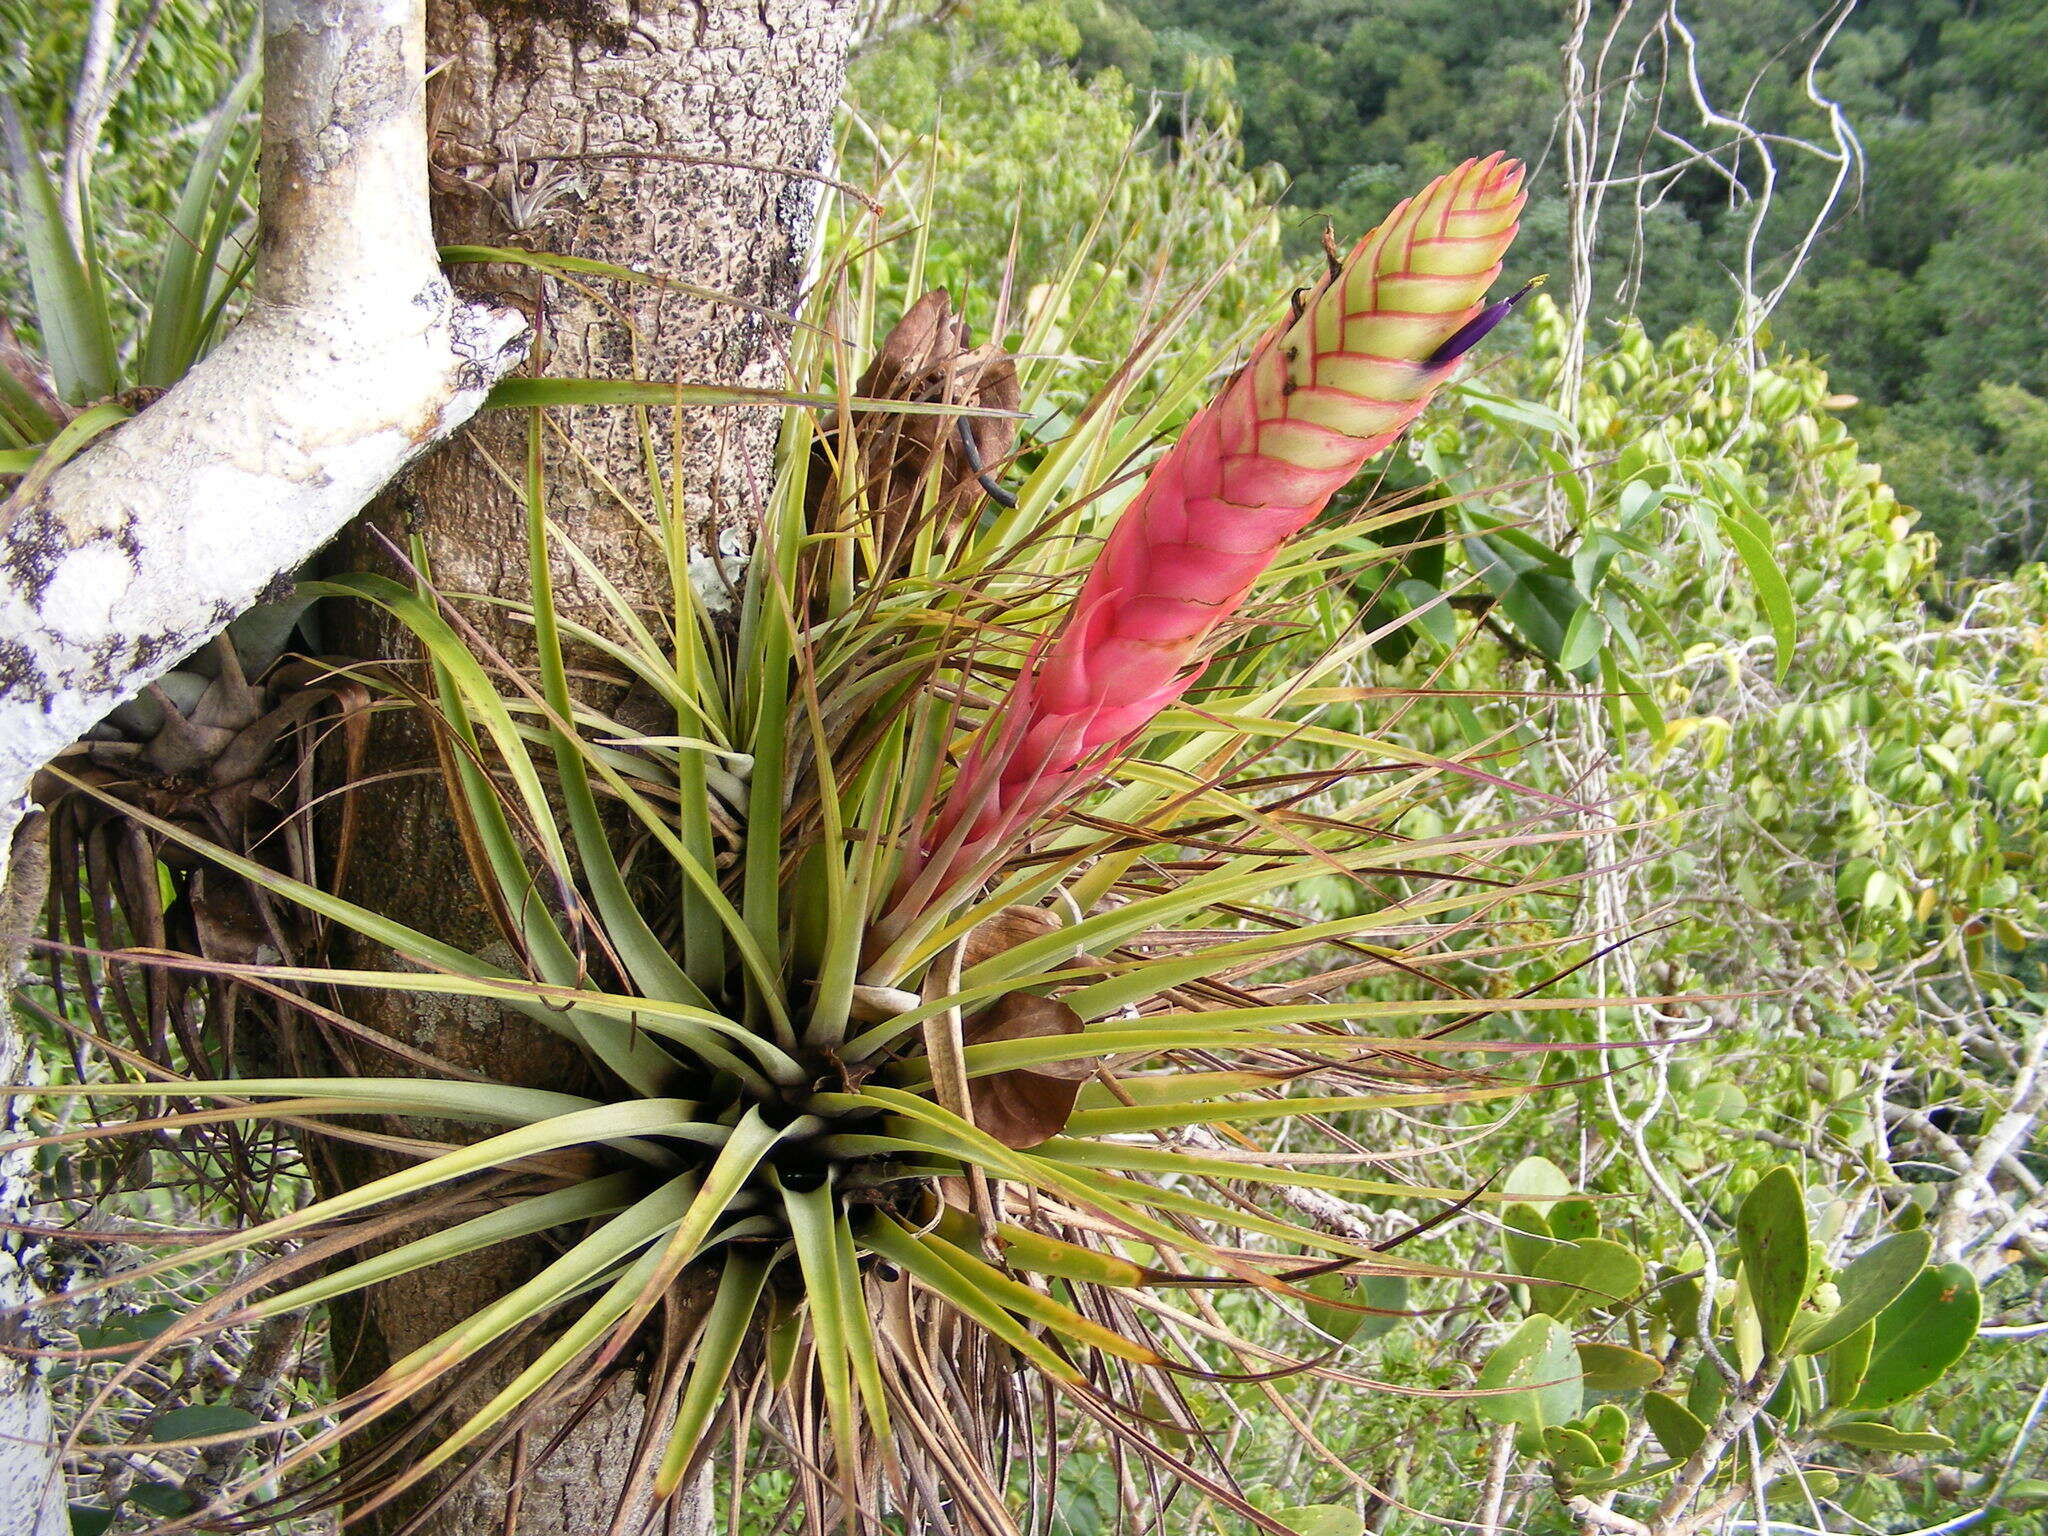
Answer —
354 356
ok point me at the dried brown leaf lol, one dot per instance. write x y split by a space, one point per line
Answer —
929 356
1026 1105
1006 930
27 370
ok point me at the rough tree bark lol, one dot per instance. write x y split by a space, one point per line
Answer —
354 356
678 138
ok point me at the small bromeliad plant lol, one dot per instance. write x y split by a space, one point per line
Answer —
937 957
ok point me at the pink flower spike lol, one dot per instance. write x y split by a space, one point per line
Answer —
1322 393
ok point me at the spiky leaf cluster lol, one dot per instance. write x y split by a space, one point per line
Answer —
872 1127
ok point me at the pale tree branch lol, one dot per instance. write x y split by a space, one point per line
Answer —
31 1488
354 356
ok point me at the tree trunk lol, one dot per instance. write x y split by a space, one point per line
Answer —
679 139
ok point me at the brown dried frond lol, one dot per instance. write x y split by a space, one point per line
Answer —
29 373
930 356
222 747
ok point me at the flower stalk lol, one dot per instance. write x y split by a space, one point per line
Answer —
1323 392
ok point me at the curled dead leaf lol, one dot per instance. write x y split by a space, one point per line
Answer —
929 356
30 376
1026 1105
226 921
1005 931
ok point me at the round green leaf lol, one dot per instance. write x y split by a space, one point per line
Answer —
201 1420
1165 1426
129 1328
1777 1256
1537 1176
1876 1279
1720 1101
1322 1520
1617 1368
1589 1272
1921 1335
1674 1425
1746 1328
1345 1324
1575 1220
1583 637
1435 617
1681 1306
1538 1355
1525 1234
1847 1362
1637 498
1607 1426
1572 1449
162 1498
1707 1390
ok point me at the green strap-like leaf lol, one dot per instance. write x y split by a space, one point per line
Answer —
861 1353
653 969
521 1218
812 1220
1090 1154
513 394
1119 1198
596 1321
1014 1296
940 1278
450 1098
71 308
1158 1117
641 1058
607 1123
61 449
176 327
609 1245
718 1344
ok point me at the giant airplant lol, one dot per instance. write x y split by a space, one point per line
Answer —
935 955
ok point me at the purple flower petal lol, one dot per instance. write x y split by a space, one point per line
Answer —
1473 331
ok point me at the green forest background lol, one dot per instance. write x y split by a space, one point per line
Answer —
1926 298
